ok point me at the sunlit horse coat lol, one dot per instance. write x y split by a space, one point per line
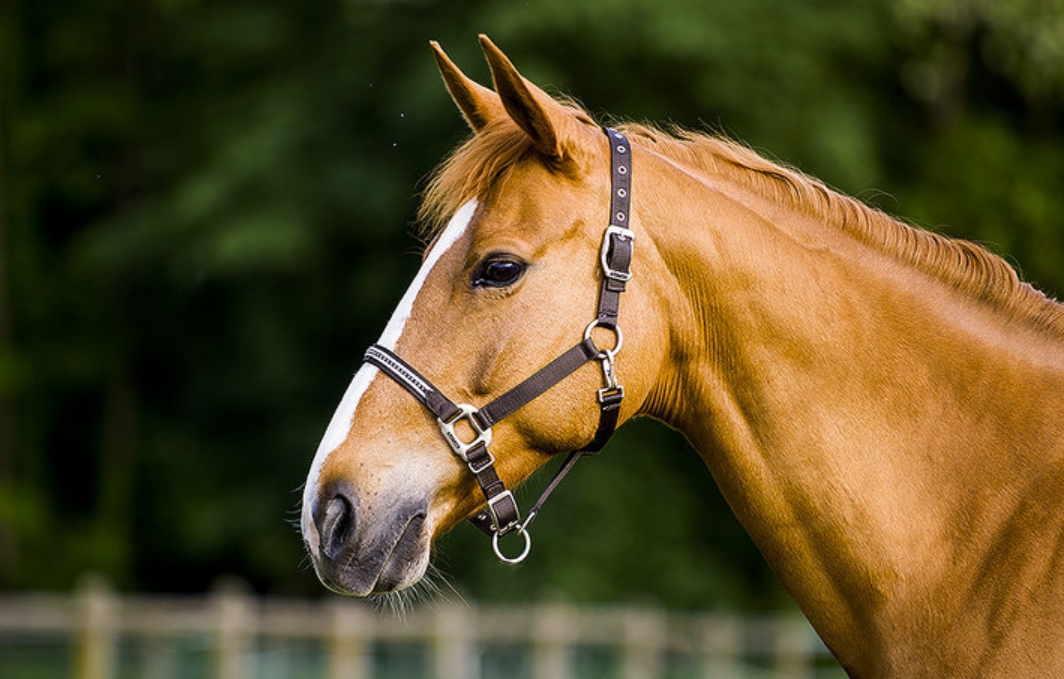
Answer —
880 406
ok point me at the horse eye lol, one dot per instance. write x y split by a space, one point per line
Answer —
498 273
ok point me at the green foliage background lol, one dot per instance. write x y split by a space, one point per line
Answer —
205 212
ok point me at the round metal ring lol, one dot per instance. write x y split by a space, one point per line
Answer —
616 331
515 559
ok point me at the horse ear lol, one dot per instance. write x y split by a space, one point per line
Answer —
551 127
478 104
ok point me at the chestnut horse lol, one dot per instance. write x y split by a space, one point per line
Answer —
880 406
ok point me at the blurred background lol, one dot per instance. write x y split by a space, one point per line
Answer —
205 216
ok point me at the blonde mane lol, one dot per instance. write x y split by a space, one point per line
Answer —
476 165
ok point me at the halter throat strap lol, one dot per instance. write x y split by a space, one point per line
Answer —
501 515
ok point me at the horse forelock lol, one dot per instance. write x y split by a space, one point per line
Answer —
475 166
469 172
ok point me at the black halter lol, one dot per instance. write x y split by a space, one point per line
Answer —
501 516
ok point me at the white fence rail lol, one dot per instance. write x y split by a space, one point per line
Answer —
96 634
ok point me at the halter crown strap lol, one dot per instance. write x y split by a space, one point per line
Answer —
501 516
616 255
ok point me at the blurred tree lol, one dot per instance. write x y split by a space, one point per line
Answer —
203 220
8 543
1021 41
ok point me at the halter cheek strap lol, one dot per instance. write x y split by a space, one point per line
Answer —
501 516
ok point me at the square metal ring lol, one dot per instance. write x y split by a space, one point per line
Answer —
461 448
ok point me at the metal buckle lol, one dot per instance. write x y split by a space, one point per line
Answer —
615 394
496 499
461 448
604 253
477 468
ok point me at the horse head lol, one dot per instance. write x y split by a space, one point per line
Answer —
509 283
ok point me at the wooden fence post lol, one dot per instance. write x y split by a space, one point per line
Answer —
643 640
452 636
722 643
234 626
96 633
552 638
350 637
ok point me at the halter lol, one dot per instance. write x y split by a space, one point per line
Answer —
501 516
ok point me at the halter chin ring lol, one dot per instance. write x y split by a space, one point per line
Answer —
615 329
512 559
461 448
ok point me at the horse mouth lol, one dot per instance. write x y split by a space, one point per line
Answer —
381 564
406 562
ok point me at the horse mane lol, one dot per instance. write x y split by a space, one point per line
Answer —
476 165
961 264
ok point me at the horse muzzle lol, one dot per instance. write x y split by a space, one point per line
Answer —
358 551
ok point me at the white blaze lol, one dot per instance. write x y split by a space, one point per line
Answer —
340 425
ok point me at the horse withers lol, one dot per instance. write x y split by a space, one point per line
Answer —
879 405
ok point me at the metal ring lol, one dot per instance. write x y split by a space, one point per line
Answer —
616 331
516 559
461 448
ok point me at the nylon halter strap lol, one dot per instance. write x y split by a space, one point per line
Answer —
501 516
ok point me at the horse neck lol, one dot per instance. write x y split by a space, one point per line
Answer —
870 426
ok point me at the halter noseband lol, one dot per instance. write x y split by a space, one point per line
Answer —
501 516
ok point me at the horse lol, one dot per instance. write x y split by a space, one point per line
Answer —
879 405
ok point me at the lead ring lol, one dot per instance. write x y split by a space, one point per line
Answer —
615 329
516 559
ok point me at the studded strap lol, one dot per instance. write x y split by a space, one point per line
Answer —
616 255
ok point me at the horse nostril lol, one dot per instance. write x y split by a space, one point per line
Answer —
336 525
